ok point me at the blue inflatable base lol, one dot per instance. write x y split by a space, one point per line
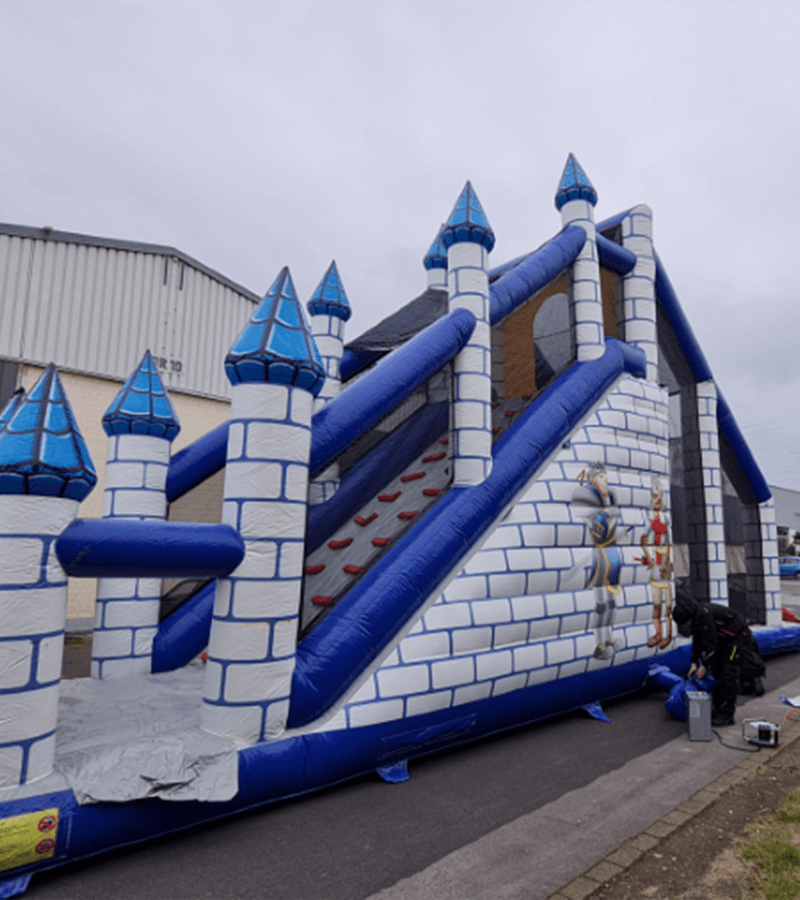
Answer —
270 772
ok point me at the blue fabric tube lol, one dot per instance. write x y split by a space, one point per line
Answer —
185 633
122 548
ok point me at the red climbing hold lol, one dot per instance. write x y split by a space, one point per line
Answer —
431 492
340 545
434 457
360 520
444 440
408 515
406 478
315 570
381 542
353 570
321 601
388 498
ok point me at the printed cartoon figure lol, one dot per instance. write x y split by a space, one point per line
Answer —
657 559
595 502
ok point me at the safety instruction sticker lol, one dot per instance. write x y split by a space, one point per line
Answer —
29 838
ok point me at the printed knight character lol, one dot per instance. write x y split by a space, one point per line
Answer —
595 502
657 558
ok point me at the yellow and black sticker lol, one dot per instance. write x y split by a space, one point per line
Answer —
27 839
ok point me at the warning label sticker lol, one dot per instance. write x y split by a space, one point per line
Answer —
29 838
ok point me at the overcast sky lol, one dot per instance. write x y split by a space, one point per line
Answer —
257 135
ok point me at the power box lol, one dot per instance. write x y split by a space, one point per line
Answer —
699 715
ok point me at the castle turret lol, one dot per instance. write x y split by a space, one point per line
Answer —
329 309
469 239
575 200
276 372
435 263
141 423
45 471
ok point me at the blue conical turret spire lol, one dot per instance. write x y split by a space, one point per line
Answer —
276 345
41 448
142 406
468 222
330 299
436 257
574 184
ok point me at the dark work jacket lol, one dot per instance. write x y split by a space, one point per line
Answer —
715 629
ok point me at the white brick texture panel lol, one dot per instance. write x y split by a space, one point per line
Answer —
240 722
22 559
453 672
529 657
254 479
560 651
131 613
138 447
266 599
508 684
491 612
272 519
365 693
37 515
528 607
28 714
15 663
239 640
155 476
560 604
472 693
523 560
515 633
127 474
118 642
425 646
493 665
539 676
542 582
222 598
486 561
143 641
505 536
430 702
572 668
40 759
51 655
470 640
465 254
10 766
212 680
23 612
510 585
253 682
300 406
290 559
275 719
374 713
403 680
447 615
296 482
257 401
260 559
266 440
135 503
284 638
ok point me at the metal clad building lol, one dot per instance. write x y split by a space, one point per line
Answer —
93 306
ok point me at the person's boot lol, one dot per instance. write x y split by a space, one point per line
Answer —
668 638
722 719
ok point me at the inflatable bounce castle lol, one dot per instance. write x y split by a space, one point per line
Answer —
470 518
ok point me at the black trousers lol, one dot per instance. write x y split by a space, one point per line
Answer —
726 670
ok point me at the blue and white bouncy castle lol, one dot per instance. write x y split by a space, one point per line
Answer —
469 518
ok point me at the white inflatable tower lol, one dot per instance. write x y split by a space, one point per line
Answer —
141 423
469 239
276 372
45 471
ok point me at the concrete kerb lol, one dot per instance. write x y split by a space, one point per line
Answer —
633 849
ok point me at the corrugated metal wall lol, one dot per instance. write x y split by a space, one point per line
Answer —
96 309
